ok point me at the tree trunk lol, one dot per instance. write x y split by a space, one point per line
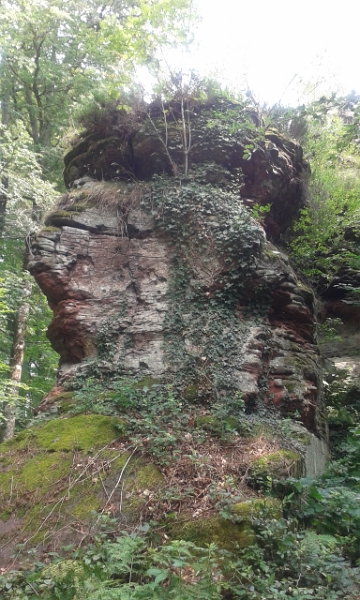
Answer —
3 203
7 426
5 118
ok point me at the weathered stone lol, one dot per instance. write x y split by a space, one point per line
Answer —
315 451
112 292
109 269
133 147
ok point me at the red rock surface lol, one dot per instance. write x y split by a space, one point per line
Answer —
100 284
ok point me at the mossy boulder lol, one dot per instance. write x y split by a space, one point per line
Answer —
58 480
222 532
227 533
82 432
279 464
251 508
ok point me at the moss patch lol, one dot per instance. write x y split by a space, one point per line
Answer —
299 434
67 479
217 427
222 532
191 392
247 510
280 464
149 476
21 441
291 385
5 486
84 500
146 382
65 401
42 470
138 477
82 432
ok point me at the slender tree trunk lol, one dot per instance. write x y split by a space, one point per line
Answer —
186 134
3 203
5 118
7 426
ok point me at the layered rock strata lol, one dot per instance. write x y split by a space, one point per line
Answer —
171 279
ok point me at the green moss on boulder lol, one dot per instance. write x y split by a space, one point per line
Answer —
223 532
149 477
146 382
40 472
214 529
279 464
215 426
82 432
57 478
247 510
191 392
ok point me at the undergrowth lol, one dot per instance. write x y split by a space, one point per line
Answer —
310 549
284 562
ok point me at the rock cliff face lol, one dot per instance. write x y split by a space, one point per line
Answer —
159 275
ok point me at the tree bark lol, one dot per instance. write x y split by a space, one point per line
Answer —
7 424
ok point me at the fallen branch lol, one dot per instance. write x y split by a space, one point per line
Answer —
118 481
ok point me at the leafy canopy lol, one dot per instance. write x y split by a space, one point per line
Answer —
57 52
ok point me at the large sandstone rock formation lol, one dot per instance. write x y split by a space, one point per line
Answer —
154 274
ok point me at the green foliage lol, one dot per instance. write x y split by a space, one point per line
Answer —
282 564
22 185
159 415
328 506
124 569
208 225
152 412
269 468
40 361
347 456
23 194
60 52
342 396
260 211
321 248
